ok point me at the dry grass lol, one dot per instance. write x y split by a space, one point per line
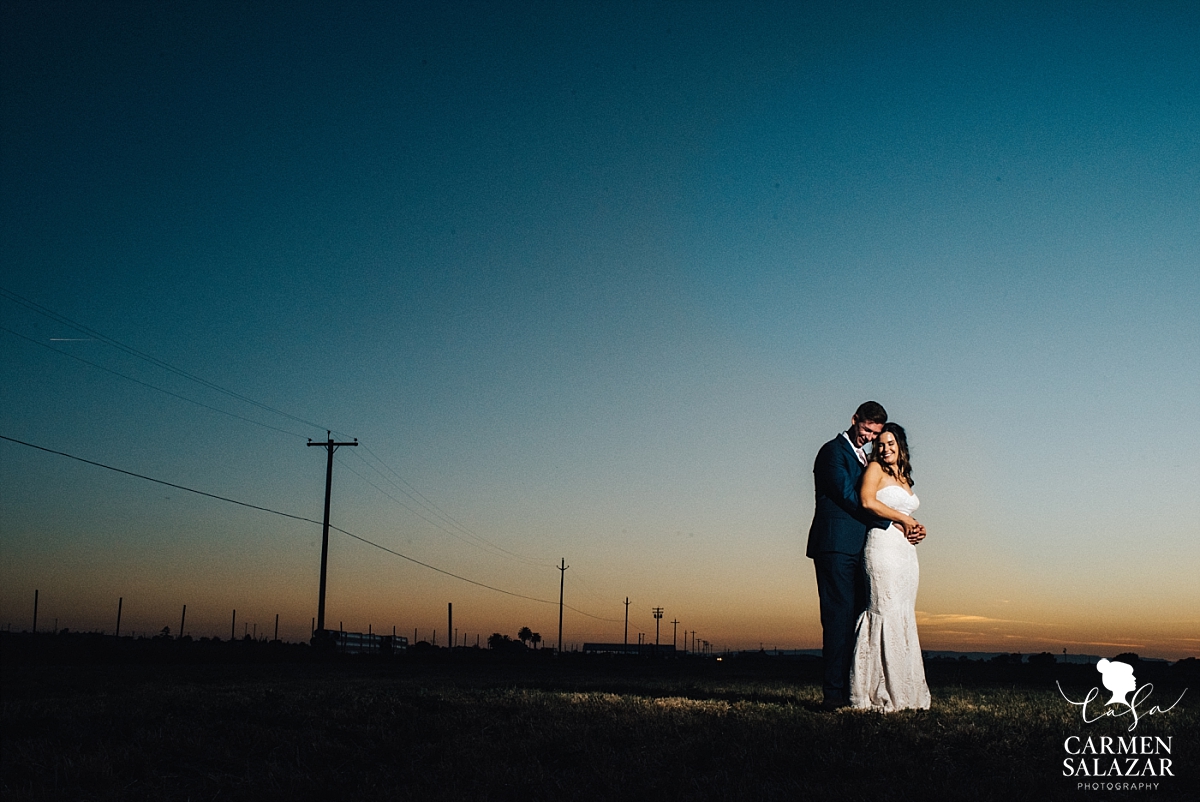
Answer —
444 730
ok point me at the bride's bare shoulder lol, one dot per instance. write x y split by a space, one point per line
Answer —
872 479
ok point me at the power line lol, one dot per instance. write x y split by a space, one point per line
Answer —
147 384
487 546
158 481
590 591
419 498
425 501
293 517
160 363
417 513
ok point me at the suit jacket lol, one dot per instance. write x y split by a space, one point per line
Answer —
839 522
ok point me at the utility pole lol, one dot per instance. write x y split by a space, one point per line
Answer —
626 625
35 600
450 621
330 446
674 632
182 618
658 614
562 577
120 603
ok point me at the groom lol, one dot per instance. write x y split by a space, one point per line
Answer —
835 544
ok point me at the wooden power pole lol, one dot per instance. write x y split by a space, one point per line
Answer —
561 580
330 446
626 643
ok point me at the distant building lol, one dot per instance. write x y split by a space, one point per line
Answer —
646 649
365 643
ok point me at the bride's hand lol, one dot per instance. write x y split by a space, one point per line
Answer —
916 533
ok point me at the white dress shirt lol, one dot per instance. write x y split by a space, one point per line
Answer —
858 452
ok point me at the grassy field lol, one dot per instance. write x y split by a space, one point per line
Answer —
564 728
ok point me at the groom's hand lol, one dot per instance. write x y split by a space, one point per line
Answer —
915 534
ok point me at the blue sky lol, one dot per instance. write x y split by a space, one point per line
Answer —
598 283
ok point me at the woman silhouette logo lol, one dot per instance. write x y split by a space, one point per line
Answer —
1118 678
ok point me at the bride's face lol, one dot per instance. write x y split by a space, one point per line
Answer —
889 452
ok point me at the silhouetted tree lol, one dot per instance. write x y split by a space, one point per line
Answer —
536 637
1187 667
525 634
1127 657
1042 659
498 641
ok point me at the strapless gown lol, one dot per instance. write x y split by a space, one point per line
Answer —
887 672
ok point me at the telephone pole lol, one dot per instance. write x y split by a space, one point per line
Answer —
562 578
626 623
658 614
674 631
330 446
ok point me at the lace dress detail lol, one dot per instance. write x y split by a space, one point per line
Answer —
887 672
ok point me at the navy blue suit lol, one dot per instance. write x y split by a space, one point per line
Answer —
835 544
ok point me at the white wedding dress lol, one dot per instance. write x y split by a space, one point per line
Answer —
887 672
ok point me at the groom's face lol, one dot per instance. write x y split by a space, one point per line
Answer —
863 431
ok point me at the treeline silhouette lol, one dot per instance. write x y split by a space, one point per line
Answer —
91 648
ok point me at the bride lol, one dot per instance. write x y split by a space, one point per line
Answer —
887 672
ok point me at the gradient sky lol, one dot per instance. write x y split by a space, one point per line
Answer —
596 282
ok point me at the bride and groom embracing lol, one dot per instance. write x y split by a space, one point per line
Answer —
863 543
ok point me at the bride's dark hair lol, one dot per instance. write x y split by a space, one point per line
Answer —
903 466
